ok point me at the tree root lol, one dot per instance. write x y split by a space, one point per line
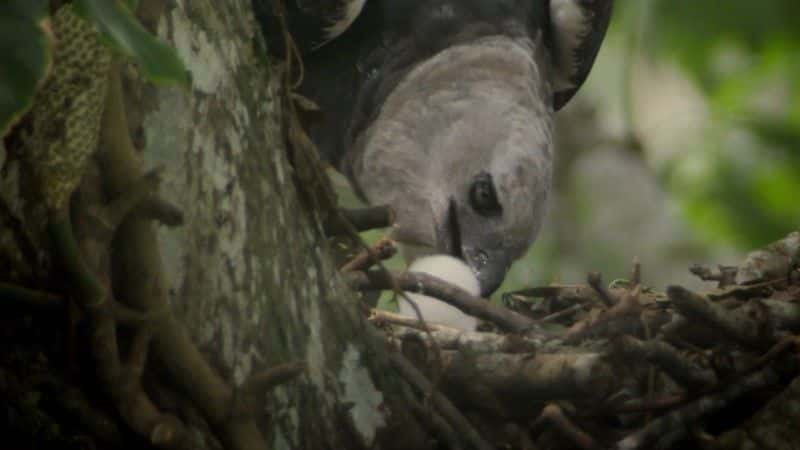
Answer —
120 381
139 280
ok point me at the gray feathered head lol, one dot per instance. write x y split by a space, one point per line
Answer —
443 109
462 151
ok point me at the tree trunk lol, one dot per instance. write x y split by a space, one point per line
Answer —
183 334
249 273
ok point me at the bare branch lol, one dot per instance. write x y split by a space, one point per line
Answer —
434 287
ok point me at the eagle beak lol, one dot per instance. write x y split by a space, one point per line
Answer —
489 265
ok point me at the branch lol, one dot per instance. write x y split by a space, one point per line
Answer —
668 429
553 415
434 420
470 341
572 374
668 359
434 287
624 317
733 324
595 280
381 250
442 404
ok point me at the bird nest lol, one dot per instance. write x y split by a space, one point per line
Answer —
594 366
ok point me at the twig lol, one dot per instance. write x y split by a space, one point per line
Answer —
425 284
733 324
538 377
784 314
622 318
379 316
667 429
442 404
567 293
474 342
668 359
560 314
553 415
723 275
382 250
595 280
636 272
433 420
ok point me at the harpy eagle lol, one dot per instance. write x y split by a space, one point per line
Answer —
443 109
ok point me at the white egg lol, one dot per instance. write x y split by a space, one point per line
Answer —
450 269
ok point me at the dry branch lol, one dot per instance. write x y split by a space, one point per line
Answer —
670 428
735 325
442 404
429 285
553 415
667 359
475 341
531 378
381 250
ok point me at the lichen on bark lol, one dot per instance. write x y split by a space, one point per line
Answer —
249 273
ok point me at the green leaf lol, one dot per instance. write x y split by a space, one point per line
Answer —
159 62
25 56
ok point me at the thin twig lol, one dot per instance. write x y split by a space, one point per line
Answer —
382 250
553 415
442 404
429 285
672 425
595 280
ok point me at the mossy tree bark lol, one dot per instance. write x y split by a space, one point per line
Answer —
248 274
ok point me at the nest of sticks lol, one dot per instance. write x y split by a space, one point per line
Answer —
596 366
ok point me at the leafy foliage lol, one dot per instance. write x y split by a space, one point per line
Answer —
159 62
741 184
26 49
25 56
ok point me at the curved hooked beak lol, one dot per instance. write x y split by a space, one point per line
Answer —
490 264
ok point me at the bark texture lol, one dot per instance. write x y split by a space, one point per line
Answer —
248 274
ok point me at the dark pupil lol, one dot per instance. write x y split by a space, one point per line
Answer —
483 197
483 193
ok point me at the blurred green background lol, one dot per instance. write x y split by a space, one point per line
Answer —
683 146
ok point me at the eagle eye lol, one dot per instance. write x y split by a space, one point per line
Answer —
483 197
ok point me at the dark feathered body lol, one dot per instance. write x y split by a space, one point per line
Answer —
351 76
